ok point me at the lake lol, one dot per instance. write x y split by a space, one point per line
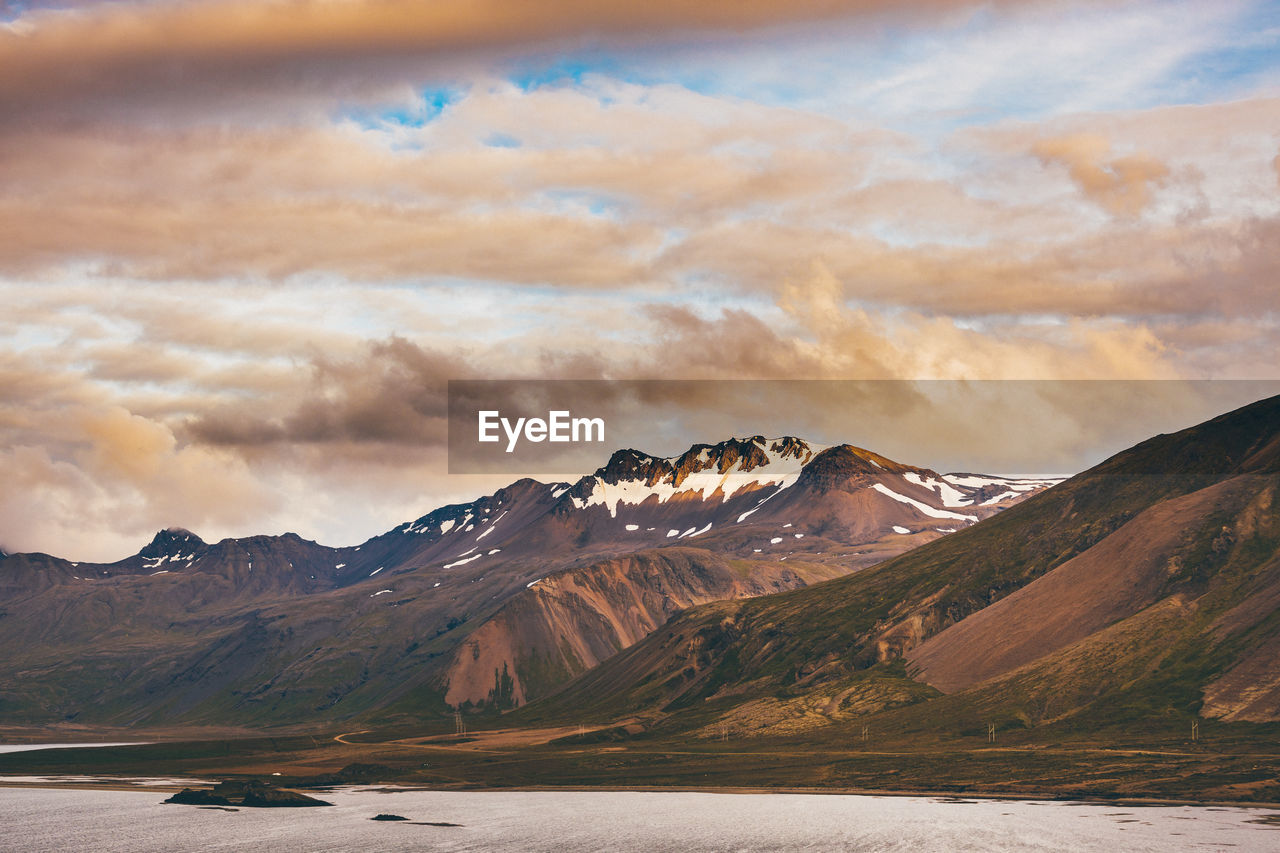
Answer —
31 747
47 819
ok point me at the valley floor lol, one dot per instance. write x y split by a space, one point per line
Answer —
1150 767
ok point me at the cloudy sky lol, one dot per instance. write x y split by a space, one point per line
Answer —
245 243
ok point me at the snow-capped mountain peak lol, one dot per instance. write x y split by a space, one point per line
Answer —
701 472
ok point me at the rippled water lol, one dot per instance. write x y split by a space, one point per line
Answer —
63 820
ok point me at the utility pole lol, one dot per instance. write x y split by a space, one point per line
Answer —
1195 730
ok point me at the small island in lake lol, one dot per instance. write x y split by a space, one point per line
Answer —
252 793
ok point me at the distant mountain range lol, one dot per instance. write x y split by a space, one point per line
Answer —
491 603
1144 590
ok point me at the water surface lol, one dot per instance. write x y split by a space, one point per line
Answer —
118 821
28 747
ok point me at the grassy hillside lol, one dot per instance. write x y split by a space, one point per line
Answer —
834 652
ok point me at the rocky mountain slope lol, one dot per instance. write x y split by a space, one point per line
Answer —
1146 588
487 603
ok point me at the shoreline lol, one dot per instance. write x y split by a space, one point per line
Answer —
391 788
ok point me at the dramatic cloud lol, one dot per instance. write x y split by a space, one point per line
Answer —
144 53
244 246
101 478
394 394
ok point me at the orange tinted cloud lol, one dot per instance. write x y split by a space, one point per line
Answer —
236 286
1120 185
293 423
145 53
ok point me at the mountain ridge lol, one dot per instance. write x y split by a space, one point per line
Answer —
267 628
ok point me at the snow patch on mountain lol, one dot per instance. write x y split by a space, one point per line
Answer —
492 524
759 504
691 532
1017 484
950 495
920 505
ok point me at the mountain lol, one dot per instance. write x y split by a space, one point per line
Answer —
766 516
1146 589
493 602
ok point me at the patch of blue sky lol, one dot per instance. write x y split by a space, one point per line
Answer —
1247 62
427 104
502 140
571 69
597 204
980 68
11 10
